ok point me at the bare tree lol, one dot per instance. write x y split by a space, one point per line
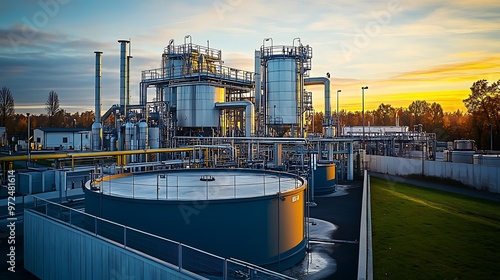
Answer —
52 106
6 105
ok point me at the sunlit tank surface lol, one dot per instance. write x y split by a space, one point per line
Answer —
283 91
252 215
324 178
196 105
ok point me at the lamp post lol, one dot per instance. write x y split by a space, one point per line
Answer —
363 113
29 142
337 112
491 136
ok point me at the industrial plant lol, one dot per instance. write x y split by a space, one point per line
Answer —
212 175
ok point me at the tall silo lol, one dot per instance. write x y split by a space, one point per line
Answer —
284 70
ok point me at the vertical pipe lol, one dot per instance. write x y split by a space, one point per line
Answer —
123 74
96 126
98 88
29 141
127 97
257 83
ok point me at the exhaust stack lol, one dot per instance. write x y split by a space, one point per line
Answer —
96 126
123 75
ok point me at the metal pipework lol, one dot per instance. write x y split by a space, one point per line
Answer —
328 106
127 98
257 81
249 113
123 74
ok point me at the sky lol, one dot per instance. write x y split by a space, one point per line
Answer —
402 50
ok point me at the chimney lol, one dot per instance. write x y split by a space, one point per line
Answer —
123 75
96 126
98 89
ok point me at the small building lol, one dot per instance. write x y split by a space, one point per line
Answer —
62 138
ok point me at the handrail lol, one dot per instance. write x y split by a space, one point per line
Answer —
182 264
217 71
261 269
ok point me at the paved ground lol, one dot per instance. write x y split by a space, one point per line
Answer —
340 214
345 212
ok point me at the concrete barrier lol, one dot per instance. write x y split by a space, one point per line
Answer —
481 177
365 259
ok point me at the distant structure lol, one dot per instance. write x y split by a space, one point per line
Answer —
62 138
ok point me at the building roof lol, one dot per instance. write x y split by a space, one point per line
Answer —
64 129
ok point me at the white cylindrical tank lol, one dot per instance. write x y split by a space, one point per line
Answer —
130 136
283 90
154 137
463 145
142 138
196 105
112 143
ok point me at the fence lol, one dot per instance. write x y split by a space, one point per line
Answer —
186 259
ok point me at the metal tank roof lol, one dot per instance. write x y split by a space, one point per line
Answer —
198 184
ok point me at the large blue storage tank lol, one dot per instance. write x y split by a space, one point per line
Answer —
253 215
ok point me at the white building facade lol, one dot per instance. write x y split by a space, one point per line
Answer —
62 138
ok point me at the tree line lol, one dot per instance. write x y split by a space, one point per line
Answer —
17 124
481 122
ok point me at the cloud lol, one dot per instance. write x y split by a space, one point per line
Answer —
464 69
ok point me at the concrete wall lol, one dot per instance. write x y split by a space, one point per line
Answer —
481 177
55 251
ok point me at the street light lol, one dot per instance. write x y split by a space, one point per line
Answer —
491 136
337 112
29 142
363 112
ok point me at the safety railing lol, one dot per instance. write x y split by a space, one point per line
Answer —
181 257
168 186
198 70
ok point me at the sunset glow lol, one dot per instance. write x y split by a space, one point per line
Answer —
403 50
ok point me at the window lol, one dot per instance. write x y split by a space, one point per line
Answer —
38 140
65 139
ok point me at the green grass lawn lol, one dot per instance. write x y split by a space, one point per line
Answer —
428 234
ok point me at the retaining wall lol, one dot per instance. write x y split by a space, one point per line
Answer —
481 177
